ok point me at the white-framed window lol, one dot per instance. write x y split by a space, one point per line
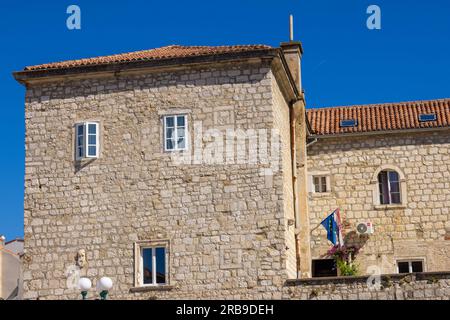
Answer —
152 267
87 140
389 187
320 184
175 132
410 266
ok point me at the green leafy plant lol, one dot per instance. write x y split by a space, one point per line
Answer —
347 268
344 259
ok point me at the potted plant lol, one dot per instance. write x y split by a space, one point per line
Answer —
344 256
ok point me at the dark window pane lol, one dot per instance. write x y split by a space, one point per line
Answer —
92 128
403 267
92 139
80 152
170 122
324 268
147 262
417 266
80 130
395 197
384 188
323 184
80 141
180 121
92 150
393 176
170 133
316 184
395 187
169 144
160 265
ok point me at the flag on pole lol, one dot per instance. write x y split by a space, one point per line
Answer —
339 234
332 224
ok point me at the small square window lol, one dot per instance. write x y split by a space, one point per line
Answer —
152 264
175 133
324 268
320 184
410 266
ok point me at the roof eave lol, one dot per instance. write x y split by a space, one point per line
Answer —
378 132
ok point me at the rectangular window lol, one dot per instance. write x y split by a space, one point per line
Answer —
175 133
152 265
427 117
87 140
320 184
324 268
389 187
348 123
410 266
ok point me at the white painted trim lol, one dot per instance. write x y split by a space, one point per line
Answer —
186 132
97 145
376 188
410 260
85 149
139 246
318 173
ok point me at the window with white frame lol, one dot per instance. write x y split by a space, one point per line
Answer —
320 184
152 267
410 266
175 133
389 187
87 140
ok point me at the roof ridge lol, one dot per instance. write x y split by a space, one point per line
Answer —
412 102
158 53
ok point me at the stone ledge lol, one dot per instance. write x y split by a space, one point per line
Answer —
151 288
355 279
389 206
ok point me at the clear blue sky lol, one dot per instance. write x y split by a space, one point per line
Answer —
344 62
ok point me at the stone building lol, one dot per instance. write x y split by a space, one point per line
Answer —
182 172
387 165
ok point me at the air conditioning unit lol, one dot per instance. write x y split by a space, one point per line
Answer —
364 228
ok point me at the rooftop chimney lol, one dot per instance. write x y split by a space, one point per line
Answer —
293 51
2 241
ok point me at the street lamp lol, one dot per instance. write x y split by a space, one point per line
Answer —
103 286
84 284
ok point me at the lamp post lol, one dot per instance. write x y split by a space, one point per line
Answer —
103 286
84 284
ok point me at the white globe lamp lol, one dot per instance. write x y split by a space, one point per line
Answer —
84 284
103 286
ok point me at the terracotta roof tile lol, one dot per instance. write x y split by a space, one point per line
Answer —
379 117
168 52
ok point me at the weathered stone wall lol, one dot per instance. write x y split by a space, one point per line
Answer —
417 229
282 126
226 223
420 286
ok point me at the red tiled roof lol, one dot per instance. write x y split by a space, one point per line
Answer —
379 117
173 51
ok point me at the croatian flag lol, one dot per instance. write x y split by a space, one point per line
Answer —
332 224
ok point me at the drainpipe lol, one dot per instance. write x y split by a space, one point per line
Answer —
294 183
